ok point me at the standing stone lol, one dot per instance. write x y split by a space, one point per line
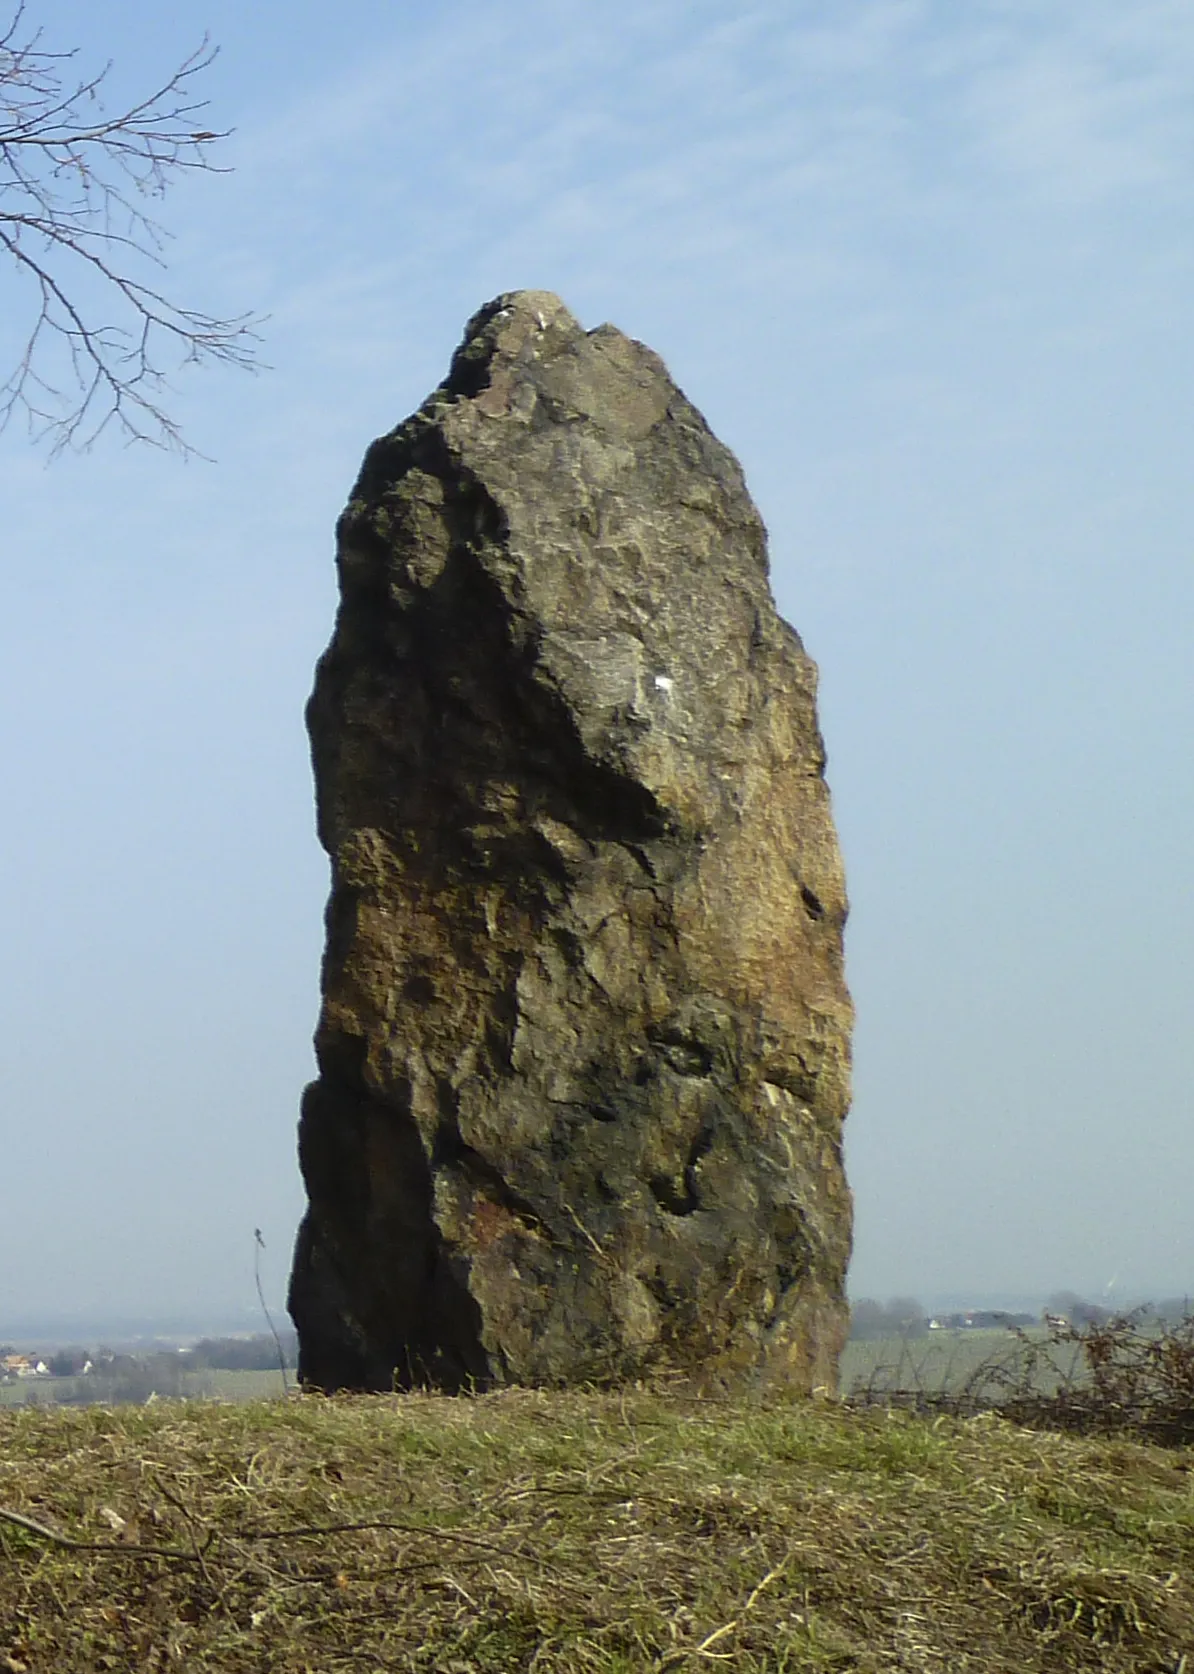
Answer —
584 1045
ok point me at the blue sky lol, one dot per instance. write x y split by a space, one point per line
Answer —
928 270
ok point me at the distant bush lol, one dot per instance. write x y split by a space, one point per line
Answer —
1065 1304
901 1316
1127 1374
241 1354
118 1379
1136 1375
68 1363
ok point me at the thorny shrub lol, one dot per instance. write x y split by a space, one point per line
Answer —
1130 1374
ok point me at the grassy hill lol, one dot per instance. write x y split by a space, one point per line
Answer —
584 1532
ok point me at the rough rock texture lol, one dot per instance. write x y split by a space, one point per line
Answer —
584 1046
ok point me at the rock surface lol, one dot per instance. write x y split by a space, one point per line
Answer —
584 1045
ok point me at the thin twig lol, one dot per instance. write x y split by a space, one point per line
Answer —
113 1548
258 1246
75 185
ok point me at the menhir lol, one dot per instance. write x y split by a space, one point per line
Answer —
584 1045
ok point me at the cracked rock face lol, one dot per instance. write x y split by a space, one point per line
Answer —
584 1044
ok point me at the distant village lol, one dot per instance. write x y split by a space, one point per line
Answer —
24 1366
162 1365
982 1319
71 1364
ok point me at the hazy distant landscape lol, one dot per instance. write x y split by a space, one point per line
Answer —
897 1345
241 1368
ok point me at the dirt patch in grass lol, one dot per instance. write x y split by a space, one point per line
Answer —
584 1532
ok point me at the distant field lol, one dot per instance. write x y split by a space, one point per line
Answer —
950 1362
193 1386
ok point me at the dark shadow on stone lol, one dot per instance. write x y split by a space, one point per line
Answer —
408 1321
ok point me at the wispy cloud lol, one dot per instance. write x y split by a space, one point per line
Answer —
574 138
1077 103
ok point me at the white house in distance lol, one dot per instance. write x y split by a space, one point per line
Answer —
23 1366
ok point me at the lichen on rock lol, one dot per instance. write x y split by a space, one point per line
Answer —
584 1044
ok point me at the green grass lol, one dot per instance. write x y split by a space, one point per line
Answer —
954 1362
593 1532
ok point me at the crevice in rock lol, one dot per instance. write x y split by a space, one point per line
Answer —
418 989
684 1198
683 1053
644 859
501 1020
812 904
405 1323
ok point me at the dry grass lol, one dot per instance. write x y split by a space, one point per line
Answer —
584 1532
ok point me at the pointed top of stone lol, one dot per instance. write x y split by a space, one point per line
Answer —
504 330
538 308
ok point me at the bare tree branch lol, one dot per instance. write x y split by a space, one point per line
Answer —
76 189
